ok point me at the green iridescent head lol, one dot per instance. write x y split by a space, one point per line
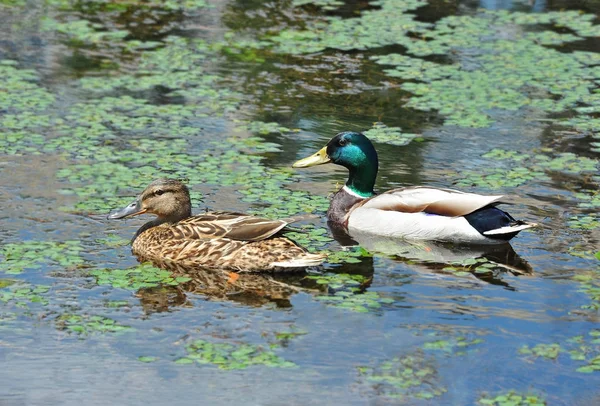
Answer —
351 150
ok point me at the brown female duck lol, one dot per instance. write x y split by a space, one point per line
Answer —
226 240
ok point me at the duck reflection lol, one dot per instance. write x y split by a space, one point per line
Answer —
259 289
251 289
434 256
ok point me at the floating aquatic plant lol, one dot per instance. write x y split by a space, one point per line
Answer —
581 348
21 294
584 221
347 291
549 351
590 285
141 276
390 135
86 324
522 168
512 398
147 358
452 345
480 266
486 72
285 337
84 31
325 4
17 257
405 377
231 356
262 128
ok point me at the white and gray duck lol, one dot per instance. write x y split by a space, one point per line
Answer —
417 212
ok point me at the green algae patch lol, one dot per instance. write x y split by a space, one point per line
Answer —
381 133
317 239
390 24
548 351
124 5
19 90
262 128
84 32
582 349
274 201
589 199
141 276
24 104
22 294
12 3
406 377
180 67
310 236
584 221
469 266
325 4
512 398
347 291
586 349
284 338
18 257
456 345
113 241
484 71
518 168
89 324
348 256
590 285
147 358
231 356
7 282
93 27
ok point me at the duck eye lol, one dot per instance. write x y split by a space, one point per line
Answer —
159 192
342 142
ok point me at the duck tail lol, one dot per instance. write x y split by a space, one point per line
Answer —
301 261
513 228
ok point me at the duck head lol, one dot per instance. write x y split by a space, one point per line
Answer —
169 199
353 151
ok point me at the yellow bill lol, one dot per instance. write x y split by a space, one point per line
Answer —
318 158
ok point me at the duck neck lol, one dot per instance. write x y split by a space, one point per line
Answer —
361 180
157 222
340 205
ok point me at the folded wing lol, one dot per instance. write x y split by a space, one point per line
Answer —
235 226
444 202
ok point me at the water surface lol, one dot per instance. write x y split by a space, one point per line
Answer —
97 99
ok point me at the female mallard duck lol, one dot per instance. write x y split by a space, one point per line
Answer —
418 212
212 240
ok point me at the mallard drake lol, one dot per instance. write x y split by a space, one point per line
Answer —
224 240
418 212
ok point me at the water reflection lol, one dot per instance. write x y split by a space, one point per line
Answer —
251 289
431 256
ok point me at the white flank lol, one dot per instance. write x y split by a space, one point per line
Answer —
416 226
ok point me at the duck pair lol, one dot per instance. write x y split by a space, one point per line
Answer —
242 242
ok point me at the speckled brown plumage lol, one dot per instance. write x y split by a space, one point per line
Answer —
212 240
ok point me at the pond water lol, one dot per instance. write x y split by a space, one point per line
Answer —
97 98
